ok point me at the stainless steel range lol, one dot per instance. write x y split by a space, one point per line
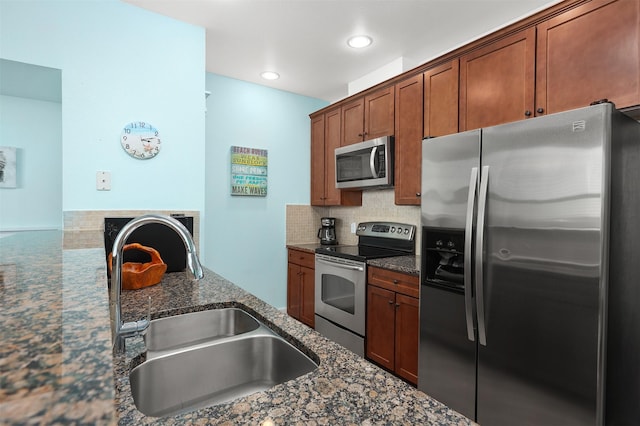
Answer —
341 279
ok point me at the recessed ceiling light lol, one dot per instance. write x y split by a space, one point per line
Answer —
269 75
359 41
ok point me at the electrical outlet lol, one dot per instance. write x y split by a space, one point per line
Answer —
103 181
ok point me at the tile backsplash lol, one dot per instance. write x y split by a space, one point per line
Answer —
93 220
303 221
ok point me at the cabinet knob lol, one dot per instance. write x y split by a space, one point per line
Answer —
397 305
527 113
395 282
418 194
391 302
540 110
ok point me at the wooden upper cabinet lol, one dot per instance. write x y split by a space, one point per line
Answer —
497 82
332 141
441 99
368 117
325 138
379 113
353 122
408 140
589 53
317 161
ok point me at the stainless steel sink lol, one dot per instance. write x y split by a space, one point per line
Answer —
214 371
171 333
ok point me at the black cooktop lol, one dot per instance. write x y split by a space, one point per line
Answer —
359 253
376 240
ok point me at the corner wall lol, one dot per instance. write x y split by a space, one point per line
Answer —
245 235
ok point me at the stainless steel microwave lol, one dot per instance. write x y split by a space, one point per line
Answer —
367 164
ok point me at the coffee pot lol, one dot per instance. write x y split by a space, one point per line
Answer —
327 233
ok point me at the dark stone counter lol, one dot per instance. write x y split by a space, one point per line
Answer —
57 365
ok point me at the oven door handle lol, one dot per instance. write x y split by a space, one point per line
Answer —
341 265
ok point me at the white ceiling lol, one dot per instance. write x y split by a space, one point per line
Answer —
305 40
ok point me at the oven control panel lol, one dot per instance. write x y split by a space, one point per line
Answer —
394 230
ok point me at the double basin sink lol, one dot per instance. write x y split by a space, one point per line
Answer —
206 358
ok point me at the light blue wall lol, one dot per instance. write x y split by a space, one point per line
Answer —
119 64
245 236
35 128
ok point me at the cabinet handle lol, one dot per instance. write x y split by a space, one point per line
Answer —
540 110
527 113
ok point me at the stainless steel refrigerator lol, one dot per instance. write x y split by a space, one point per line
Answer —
530 274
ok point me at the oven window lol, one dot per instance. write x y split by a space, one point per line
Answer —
338 292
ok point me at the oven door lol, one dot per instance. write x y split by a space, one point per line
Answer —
341 292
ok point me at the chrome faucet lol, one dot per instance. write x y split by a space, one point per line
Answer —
122 331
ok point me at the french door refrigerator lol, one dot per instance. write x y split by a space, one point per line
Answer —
530 274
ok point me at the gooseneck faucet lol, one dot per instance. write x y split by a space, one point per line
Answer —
122 331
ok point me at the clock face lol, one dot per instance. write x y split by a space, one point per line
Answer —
140 140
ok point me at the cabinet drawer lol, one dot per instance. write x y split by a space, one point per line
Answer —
396 281
302 258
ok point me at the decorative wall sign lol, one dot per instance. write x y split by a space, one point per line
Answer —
8 167
248 171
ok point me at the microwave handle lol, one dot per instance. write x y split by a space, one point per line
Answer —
372 162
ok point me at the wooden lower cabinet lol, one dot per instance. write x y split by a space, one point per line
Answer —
393 322
301 286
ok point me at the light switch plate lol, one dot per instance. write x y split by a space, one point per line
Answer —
103 181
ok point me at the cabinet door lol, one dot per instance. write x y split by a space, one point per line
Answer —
307 296
379 113
293 290
380 326
408 140
497 82
441 99
318 160
589 53
353 122
334 196
406 345
332 141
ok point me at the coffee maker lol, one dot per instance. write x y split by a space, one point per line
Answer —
327 233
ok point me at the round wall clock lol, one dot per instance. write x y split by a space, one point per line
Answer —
140 140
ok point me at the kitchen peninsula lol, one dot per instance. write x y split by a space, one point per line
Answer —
56 362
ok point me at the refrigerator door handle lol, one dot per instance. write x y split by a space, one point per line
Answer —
468 242
482 204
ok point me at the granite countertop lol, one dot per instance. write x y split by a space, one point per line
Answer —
57 365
